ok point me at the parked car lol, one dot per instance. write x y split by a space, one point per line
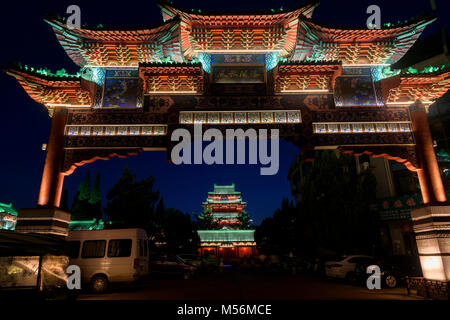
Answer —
344 267
318 263
107 256
394 270
172 265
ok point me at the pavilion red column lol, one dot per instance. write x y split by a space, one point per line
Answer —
430 180
52 178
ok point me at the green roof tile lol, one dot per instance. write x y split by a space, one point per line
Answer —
226 235
8 209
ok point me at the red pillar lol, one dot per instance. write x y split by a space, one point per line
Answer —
430 180
52 178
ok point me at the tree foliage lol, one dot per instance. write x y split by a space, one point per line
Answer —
336 201
131 202
334 213
87 203
173 228
276 234
81 209
206 221
243 220
135 203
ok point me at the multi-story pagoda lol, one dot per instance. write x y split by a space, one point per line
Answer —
224 206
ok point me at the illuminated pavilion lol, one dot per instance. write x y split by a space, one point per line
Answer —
225 204
321 86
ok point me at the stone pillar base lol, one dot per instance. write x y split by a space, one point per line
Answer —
43 220
432 229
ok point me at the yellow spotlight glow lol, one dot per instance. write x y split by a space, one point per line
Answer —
432 268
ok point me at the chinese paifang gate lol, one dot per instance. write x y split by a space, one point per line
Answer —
322 86
225 204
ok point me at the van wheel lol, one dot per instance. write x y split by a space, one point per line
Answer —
99 284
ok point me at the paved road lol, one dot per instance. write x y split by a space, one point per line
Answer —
236 286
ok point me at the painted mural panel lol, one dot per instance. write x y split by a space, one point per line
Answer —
122 89
355 87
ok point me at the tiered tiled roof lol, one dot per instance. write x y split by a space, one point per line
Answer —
304 76
121 46
358 45
407 87
52 89
237 31
172 77
290 33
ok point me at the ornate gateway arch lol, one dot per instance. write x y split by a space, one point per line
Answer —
321 86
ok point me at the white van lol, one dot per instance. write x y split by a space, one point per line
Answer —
106 256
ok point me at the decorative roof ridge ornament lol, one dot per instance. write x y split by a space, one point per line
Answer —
170 10
428 71
57 20
43 73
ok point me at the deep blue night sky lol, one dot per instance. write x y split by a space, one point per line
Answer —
25 124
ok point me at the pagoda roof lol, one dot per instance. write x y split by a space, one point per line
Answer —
422 50
8 208
411 85
119 46
170 11
232 201
357 45
185 34
226 189
51 89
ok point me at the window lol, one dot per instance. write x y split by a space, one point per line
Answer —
119 248
74 249
93 249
